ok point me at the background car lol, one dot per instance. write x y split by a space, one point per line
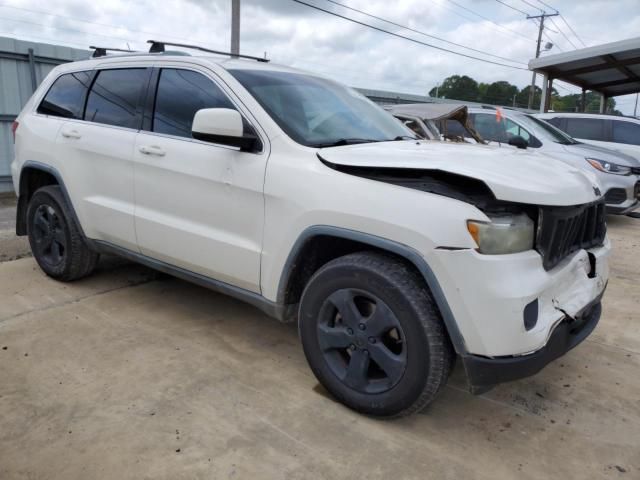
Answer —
437 121
617 172
611 131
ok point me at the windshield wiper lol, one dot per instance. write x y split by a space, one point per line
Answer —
343 141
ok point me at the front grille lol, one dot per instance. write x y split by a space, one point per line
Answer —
563 230
635 170
615 196
636 191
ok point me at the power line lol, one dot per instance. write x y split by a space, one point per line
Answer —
488 19
406 38
547 5
423 33
563 34
532 5
512 7
65 29
80 20
572 30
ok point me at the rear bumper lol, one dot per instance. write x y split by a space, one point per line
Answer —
483 372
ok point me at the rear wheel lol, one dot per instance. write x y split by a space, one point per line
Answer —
55 239
373 336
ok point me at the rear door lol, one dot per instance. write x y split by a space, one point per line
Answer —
199 205
589 130
97 152
625 136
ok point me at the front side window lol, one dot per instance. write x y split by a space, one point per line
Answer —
180 94
115 96
494 128
626 132
587 128
317 112
66 96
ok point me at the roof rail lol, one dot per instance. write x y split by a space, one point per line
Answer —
102 51
157 46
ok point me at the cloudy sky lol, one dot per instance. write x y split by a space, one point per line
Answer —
309 39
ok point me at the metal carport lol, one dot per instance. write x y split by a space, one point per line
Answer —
611 69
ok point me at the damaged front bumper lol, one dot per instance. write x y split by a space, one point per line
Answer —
514 316
483 373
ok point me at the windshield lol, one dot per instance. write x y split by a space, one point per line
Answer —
317 112
549 131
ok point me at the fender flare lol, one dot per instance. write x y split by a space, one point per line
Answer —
21 213
402 250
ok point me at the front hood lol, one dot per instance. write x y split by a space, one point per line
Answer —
512 175
603 153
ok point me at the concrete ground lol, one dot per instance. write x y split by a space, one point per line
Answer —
131 374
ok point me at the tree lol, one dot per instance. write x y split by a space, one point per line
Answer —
522 99
500 93
457 87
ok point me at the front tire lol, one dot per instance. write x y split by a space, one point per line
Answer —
373 336
56 242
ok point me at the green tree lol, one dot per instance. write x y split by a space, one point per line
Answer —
522 99
500 93
457 87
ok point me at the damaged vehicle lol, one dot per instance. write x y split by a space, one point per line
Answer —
437 121
301 197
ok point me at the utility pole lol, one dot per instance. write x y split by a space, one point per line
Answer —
533 76
235 27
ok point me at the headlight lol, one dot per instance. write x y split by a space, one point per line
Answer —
608 167
504 234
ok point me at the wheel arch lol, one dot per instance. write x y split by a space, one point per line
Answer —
34 175
305 258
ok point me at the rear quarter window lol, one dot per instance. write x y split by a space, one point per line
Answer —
66 96
626 132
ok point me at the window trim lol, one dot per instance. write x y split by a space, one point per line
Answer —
150 103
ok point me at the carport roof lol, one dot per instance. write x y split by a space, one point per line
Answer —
611 69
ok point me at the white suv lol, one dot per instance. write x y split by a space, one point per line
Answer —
303 198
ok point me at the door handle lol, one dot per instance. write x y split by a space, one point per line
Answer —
152 150
71 133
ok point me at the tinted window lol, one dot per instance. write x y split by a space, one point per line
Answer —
66 96
626 132
589 128
556 122
180 94
115 96
455 128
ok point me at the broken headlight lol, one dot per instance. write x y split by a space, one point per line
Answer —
507 233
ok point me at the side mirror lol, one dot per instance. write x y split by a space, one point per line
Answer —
223 126
518 141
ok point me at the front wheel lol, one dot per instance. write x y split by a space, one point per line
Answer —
55 239
373 335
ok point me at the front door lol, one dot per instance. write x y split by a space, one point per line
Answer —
199 205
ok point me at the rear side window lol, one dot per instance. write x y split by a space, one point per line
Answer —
115 96
588 128
66 96
180 94
626 132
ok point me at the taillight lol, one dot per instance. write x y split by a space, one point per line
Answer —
14 127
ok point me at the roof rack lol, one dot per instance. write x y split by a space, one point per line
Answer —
158 47
102 51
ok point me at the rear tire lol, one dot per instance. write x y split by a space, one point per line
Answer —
373 335
56 242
